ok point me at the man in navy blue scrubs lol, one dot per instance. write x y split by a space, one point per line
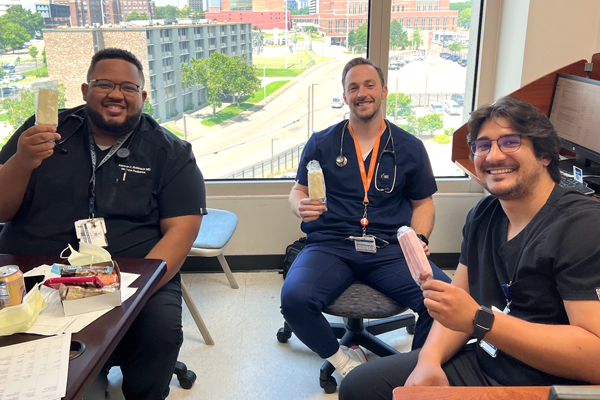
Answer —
378 178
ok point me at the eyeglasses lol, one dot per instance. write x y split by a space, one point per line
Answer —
506 144
107 86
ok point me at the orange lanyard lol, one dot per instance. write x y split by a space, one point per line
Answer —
363 173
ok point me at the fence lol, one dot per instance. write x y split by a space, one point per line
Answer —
424 99
282 162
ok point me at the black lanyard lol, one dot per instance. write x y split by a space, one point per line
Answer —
115 147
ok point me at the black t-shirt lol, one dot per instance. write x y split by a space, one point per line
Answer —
555 257
159 179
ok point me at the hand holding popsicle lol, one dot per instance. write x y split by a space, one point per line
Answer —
35 145
417 261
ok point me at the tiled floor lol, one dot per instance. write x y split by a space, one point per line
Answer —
246 361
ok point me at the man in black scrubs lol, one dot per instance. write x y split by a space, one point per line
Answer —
107 165
527 287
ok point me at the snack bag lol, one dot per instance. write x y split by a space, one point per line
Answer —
316 181
417 261
46 103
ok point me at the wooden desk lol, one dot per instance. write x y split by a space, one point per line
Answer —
472 393
102 336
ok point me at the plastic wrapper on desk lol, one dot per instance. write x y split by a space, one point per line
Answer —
20 318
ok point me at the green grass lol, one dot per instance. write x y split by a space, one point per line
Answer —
226 113
175 132
271 87
41 71
276 66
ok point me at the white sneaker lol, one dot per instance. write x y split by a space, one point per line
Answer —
356 356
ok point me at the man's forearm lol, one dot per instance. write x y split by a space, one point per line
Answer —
442 343
423 217
13 181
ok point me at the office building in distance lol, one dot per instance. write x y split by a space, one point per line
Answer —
161 49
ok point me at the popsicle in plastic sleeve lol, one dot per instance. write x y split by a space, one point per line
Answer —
316 181
46 104
417 261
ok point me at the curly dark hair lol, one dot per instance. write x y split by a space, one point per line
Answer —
526 120
112 53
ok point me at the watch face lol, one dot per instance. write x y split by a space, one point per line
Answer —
482 323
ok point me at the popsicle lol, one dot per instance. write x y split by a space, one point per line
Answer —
316 184
47 107
419 266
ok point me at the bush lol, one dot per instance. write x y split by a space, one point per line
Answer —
188 107
173 114
442 139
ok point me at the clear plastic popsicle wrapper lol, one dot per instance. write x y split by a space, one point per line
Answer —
46 104
417 261
316 181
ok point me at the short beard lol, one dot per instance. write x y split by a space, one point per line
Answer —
112 129
367 118
520 190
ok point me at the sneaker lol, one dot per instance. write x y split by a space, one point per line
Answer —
356 357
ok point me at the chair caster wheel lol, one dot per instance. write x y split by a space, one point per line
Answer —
180 369
187 381
283 335
411 329
329 385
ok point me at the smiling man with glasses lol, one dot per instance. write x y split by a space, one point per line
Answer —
109 167
527 287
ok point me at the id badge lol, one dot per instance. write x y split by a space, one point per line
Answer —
365 244
92 231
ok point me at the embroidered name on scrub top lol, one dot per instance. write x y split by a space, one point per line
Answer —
367 177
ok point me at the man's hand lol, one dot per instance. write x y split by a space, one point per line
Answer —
427 374
425 248
35 145
310 210
451 306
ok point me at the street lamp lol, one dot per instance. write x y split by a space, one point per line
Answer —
264 81
272 156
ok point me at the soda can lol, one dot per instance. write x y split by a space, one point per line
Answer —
12 286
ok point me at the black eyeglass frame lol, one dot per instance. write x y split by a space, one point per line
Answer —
96 81
473 144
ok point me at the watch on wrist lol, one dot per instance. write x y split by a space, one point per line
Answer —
482 323
423 238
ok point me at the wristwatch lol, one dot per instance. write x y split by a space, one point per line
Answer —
482 323
423 238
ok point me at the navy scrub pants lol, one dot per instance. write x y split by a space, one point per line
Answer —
324 270
148 352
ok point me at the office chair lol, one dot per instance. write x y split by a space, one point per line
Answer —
355 304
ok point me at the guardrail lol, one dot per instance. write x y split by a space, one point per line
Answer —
282 162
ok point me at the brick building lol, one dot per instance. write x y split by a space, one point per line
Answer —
102 12
161 49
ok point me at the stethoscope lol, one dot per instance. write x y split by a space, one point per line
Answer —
341 160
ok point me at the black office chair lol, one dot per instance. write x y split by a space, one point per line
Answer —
355 304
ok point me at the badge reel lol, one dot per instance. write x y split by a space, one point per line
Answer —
92 231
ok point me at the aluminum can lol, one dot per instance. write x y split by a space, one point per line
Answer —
12 286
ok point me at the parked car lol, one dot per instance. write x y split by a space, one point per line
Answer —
9 91
444 55
452 107
8 68
436 108
458 98
463 62
394 66
16 77
337 101
454 58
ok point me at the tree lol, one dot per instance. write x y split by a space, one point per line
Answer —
166 12
460 6
33 52
398 104
424 125
360 37
398 36
464 18
21 107
148 108
301 11
185 12
133 16
32 22
455 47
351 39
416 39
144 16
44 56
243 80
14 35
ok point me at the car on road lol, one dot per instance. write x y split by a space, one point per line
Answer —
462 62
436 108
8 68
454 58
395 66
337 101
452 107
457 97
16 77
445 56
9 91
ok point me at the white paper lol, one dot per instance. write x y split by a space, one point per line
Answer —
36 369
52 321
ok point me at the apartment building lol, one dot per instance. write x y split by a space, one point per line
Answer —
161 49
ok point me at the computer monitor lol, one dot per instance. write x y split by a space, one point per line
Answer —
575 114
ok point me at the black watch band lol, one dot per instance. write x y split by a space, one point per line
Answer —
423 238
482 323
